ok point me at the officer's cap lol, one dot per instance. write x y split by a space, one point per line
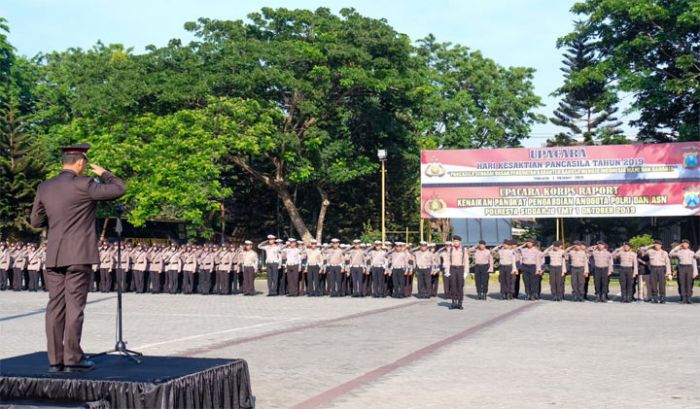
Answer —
458 238
335 241
423 243
292 240
685 241
482 242
271 237
313 241
626 244
247 242
77 149
356 241
600 242
658 242
377 242
557 243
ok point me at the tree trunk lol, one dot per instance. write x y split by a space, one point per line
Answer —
293 212
322 213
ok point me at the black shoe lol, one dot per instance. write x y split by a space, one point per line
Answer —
662 300
688 301
459 306
452 306
56 368
653 300
83 366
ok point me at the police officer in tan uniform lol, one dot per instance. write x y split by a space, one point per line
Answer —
557 269
628 269
578 260
456 269
659 270
248 266
687 269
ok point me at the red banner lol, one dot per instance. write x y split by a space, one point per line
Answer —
580 181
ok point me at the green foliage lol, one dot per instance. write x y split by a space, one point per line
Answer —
641 240
648 48
369 234
23 164
588 107
471 102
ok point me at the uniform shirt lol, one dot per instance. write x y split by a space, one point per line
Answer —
685 257
173 260
106 258
206 261
125 260
399 259
627 259
20 259
424 258
292 255
156 262
334 257
579 258
531 256
602 259
190 262
557 258
225 260
5 259
141 261
356 257
482 257
659 258
272 252
456 257
377 258
35 261
249 258
314 256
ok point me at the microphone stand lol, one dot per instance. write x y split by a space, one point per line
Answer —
120 346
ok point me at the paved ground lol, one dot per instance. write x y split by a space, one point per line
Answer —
385 353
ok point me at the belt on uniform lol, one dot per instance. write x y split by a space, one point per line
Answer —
378 266
357 266
294 264
335 265
249 265
686 265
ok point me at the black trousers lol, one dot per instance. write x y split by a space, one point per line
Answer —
122 279
282 281
600 276
378 281
17 279
446 285
223 283
556 281
530 278
324 282
293 279
434 282
577 281
4 279
399 280
248 280
273 276
358 276
685 280
424 282
516 281
188 282
457 283
105 280
33 284
658 281
313 281
172 282
204 284
335 280
505 279
156 278
95 280
139 281
626 282
481 278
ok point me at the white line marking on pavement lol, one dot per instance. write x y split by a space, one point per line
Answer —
213 333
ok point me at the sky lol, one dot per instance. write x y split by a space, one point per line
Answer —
511 32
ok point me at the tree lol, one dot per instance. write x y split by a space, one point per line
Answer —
23 164
588 106
650 49
472 102
339 84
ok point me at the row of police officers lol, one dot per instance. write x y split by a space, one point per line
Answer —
382 269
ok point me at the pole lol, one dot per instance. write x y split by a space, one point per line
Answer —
558 237
223 223
120 345
563 237
421 229
383 201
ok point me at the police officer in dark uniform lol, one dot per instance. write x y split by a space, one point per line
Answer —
67 204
